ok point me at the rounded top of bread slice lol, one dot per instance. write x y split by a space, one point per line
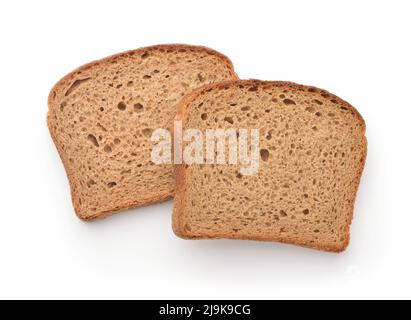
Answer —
143 53
254 85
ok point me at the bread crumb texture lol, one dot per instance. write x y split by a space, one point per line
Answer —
312 147
101 117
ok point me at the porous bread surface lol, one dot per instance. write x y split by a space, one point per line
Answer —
312 148
101 117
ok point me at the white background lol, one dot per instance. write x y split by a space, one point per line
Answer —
359 50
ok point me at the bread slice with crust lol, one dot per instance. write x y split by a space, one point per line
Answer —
312 153
101 117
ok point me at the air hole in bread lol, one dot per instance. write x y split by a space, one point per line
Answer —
93 140
91 183
289 102
283 213
306 211
246 108
138 107
146 77
122 106
101 127
75 85
62 106
318 102
229 120
108 149
204 116
265 154
111 184
200 77
147 132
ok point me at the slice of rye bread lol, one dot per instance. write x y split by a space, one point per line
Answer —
101 117
312 154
